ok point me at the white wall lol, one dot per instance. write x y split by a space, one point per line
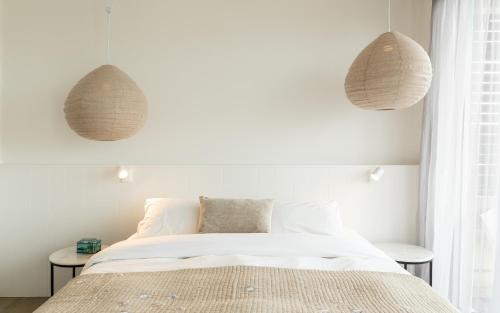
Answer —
228 81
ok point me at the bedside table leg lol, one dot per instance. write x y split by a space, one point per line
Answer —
430 273
74 274
51 279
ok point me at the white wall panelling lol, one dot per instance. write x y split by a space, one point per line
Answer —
45 208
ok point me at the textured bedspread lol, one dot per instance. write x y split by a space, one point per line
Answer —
247 289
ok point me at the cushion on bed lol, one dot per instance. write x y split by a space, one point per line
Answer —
235 215
174 216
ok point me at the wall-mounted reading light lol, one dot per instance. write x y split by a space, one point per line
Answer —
376 174
124 174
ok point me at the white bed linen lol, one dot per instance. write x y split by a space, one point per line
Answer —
349 251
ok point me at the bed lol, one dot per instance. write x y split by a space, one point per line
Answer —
245 272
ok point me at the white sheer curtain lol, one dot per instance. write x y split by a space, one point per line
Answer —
460 172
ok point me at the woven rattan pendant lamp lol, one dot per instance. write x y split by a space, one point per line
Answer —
393 72
106 104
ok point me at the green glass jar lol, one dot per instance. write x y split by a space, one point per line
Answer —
88 245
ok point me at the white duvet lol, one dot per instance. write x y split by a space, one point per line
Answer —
348 252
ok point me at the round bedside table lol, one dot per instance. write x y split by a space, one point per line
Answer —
408 255
68 258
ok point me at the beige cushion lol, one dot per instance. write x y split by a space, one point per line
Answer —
235 215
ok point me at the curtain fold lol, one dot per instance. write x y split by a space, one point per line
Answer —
460 156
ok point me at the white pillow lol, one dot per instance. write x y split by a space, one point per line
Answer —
173 216
322 218
169 216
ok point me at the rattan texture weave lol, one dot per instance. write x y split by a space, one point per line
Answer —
392 72
106 105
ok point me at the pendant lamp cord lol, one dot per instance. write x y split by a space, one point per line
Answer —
389 15
108 31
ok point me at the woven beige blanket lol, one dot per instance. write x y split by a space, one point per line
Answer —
247 289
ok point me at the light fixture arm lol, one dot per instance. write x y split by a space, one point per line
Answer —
389 15
376 174
108 10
